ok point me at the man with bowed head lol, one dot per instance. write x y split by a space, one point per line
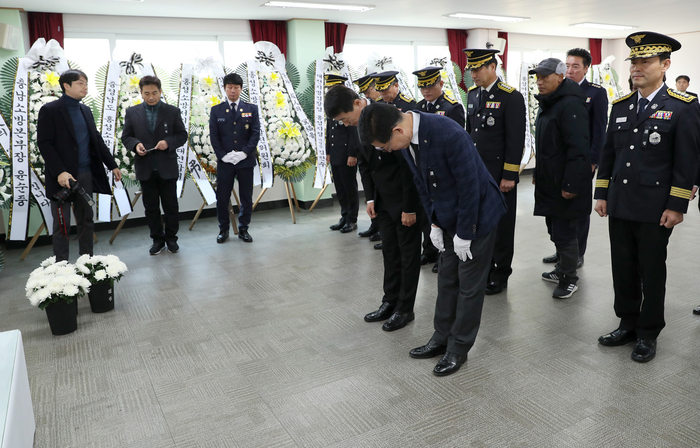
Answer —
234 131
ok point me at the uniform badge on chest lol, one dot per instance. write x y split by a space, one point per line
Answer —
490 121
655 138
247 126
493 104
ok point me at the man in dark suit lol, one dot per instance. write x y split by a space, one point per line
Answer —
154 130
341 155
644 183
366 86
577 62
464 205
73 150
682 84
435 102
496 122
234 129
392 200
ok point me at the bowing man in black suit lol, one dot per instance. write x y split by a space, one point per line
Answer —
154 130
234 130
73 150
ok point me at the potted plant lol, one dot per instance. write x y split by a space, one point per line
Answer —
101 271
53 287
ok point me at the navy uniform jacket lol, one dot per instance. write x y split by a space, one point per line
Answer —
649 166
338 142
402 102
235 131
597 107
498 129
446 106
458 193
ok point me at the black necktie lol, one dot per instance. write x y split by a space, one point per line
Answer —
416 154
482 100
431 107
642 106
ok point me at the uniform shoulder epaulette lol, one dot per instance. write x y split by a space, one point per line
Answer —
597 86
624 97
405 98
472 88
449 99
681 96
505 87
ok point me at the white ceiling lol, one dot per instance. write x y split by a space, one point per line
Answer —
549 17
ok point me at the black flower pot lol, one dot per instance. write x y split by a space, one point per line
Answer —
62 318
101 296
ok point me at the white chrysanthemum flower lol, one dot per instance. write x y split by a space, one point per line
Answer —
100 275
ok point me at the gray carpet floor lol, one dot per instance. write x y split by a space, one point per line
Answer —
264 345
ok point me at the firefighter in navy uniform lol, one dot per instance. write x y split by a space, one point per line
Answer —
388 87
496 122
341 156
646 173
435 102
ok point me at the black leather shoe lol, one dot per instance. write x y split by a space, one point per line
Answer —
429 350
579 265
696 310
173 247
376 237
339 225
551 259
369 232
223 236
378 246
397 321
617 338
349 227
424 259
245 236
449 364
157 247
383 313
644 350
435 268
495 288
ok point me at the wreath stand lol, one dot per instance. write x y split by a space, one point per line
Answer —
288 186
137 195
234 222
41 228
323 190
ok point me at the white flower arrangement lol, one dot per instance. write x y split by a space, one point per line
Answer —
5 187
43 88
205 95
289 146
129 95
55 282
534 105
99 268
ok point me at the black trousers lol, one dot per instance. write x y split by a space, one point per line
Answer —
159 192
562 232
638 252
345 181
225 175
429 250
460 299
505 240
584 225
401 252
84 217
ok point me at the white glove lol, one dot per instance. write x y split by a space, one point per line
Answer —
462 248
228 158
437 238
238 156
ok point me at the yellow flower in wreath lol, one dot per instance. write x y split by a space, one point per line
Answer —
52 78
289 130
134 81
215 100
208 80
280 99
274 76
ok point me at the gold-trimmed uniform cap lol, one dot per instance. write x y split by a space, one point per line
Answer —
428 76
364 82
384 80
647 44
476 57
334 80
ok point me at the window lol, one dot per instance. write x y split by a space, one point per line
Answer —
237 52
166 54
89 55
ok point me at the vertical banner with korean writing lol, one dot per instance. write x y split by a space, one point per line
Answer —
184 103
19 208
263 145
320 123
525 90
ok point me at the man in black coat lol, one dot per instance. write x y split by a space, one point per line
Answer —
154 130
73 150
563 168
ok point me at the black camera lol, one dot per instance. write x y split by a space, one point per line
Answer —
65 194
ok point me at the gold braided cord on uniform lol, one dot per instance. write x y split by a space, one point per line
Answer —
505 87
511 167
430 81
334 82
476 64
363 86
624 97
681 96
681 193
602 183
648 50
384 85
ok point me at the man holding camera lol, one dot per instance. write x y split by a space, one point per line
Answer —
154 130
73 152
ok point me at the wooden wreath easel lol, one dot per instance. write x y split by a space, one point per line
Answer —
41 228
323 190
230 210
288 186
123 220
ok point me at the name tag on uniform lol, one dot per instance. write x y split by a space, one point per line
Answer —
220 119
440 112
246 114
493 105
662 115
621 120
470 106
